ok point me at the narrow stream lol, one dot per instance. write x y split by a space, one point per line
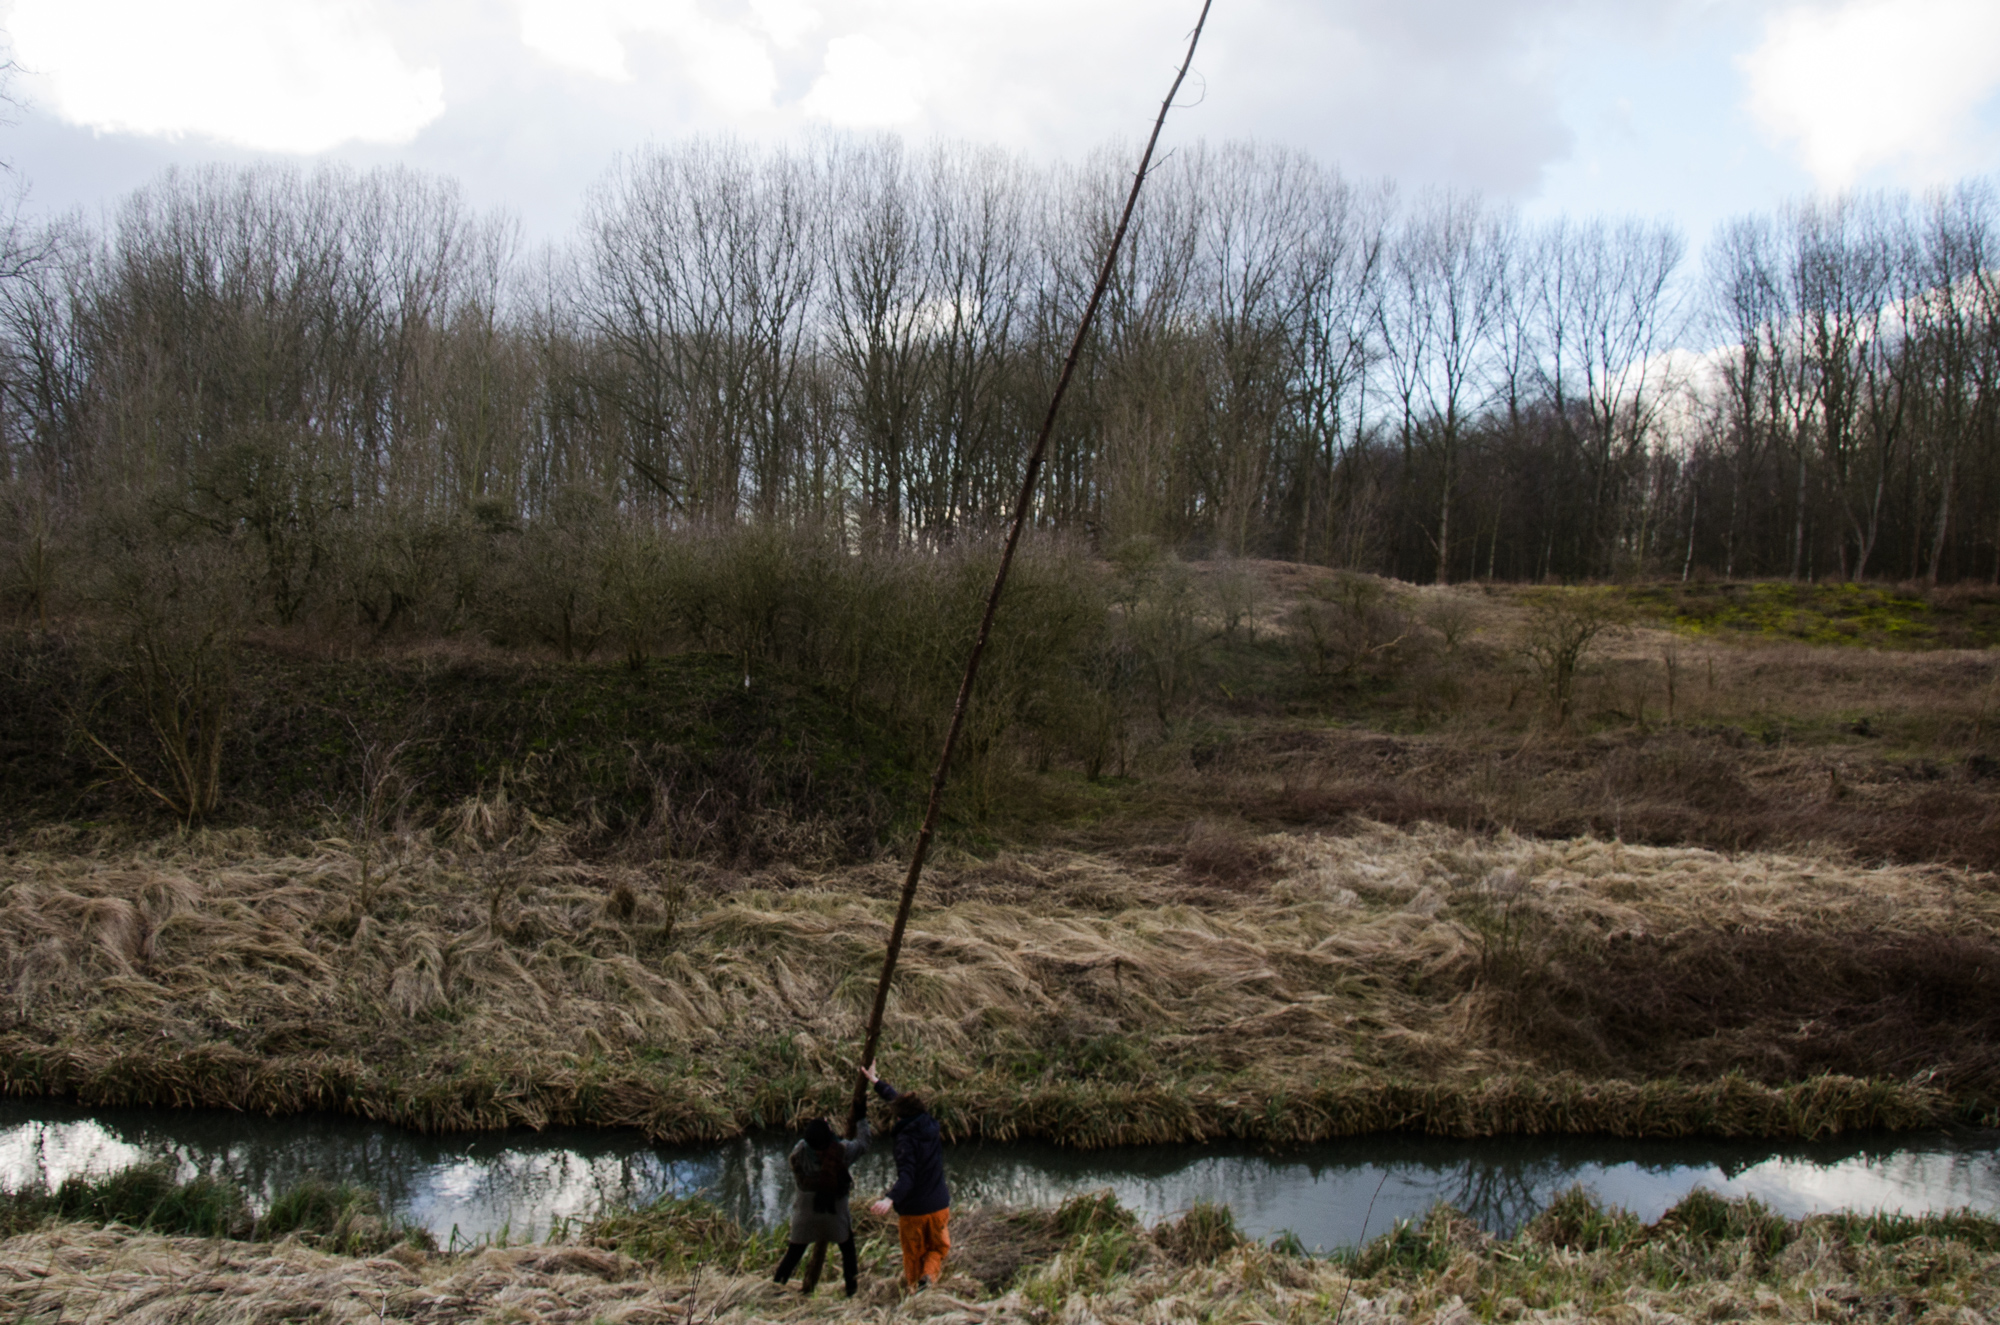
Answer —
479 1186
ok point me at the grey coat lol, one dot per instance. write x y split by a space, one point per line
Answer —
808 1224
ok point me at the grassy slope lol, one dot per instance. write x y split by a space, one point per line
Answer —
1280 987
1705 1260
1685 731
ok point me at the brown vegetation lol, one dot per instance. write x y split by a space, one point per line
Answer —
1303 879
1566 712
1706 1259
1281 986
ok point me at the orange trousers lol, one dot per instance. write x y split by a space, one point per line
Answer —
926 1242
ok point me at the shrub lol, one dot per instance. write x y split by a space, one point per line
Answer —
172 621
1351 627
32 557
1562 626
1205 1234
146 1196
336 1217
553 583
1576 1220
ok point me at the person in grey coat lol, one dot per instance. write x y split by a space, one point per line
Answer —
820 1163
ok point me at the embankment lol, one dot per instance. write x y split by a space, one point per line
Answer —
1706 1259
1279 987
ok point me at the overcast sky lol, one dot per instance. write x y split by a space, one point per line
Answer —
1688 109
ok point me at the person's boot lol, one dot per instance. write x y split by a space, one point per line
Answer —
851 1286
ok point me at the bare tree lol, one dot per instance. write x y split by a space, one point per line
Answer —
1439 312
1610 313
703 266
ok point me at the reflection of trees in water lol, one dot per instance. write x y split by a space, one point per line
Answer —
40 1155
1502 1196
523 1177
753 1178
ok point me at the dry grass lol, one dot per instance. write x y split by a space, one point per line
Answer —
1707 1260
1673 738
1282 986
1432 710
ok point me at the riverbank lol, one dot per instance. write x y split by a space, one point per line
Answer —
1706 1259
1274 987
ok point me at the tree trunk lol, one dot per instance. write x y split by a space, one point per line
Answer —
1799 521
1444 525
1943 520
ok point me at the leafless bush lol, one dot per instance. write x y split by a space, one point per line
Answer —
1682 772
554 580
1451 618
30 556
1158 628
384 799
1217 855
1351 626
640 580
1235 593
413 572
1562 626
173 617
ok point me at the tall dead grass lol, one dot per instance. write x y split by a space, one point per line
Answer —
1282 986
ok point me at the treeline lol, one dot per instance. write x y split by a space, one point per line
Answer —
366 397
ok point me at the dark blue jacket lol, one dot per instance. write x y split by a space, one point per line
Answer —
919 1147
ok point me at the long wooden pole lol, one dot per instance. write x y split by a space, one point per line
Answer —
1022 503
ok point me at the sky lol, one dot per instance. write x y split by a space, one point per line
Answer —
1688 110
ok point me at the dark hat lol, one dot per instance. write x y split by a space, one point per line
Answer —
819 1134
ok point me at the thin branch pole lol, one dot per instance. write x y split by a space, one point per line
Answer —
1022 504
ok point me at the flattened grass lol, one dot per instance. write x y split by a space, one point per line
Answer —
1328 985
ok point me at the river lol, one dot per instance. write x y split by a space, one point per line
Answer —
484 1186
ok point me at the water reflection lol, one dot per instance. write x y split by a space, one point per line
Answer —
518 1183
1324 1193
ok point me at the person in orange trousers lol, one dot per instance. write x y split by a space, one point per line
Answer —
919 1197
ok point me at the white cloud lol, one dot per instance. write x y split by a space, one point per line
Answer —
302 76
787 22
588 38
1875 83
731 66
866 85
727 62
